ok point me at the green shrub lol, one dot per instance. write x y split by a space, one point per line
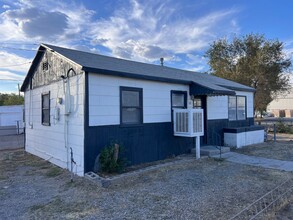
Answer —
108 162
281 127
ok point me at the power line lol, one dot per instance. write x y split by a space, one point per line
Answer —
14 48
17 80
20 64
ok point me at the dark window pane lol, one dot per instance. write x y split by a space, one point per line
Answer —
232 108
178 100
46 109
46 101
197 103
241 108
130 98
46 116
131 106
130 115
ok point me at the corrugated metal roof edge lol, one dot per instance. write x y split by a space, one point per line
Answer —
209 91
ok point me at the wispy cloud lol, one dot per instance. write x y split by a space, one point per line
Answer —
9 76
150 30
13 62
140 30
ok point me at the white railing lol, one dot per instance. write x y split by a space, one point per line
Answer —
188 122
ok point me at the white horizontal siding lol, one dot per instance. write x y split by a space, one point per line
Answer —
104 99
48 142
217 107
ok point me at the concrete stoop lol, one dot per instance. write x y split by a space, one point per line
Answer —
211 150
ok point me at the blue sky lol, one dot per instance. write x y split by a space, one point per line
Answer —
140 30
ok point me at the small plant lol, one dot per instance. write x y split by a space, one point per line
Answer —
111 159
281 127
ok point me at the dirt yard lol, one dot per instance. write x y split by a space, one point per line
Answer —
282 149
31 188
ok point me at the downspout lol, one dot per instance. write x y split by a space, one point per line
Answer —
67 101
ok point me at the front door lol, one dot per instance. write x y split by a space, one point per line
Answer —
201 103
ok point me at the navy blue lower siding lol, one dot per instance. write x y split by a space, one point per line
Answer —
145 143
215 129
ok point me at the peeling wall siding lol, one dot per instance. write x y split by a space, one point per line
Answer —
57 66
48 142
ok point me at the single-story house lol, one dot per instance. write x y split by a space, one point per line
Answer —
76 103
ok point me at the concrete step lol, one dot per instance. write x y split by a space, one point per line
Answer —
211 150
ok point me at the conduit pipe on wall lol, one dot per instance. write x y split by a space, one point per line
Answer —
30 111
67 103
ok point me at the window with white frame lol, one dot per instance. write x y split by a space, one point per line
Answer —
131 109
237 108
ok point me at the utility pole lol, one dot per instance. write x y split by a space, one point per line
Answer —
18 90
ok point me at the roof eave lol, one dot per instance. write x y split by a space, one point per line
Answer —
32 68
198 89
248 89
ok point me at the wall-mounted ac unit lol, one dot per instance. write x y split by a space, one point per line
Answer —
188 122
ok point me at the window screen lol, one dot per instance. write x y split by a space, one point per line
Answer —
131 105
178 99
237 108
46 109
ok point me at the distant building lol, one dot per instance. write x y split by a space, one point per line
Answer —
11 119
282 106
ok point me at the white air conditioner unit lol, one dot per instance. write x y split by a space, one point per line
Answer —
188 122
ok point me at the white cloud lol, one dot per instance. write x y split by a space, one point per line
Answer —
149 30
195 59
13 62
5 6
45 21
9 76
138 30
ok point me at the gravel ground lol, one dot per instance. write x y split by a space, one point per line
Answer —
281 150
11 142
31 188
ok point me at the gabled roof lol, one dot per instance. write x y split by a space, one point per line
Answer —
95 63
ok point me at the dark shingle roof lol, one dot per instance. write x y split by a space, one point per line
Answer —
114 66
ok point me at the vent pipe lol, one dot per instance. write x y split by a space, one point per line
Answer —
162 61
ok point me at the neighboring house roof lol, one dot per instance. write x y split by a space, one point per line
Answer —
96 63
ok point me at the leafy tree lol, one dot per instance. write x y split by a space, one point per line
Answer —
254 61
11 99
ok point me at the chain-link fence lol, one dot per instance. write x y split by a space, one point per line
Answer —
11 137
273 126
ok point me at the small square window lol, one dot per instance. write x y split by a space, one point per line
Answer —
45 66
178 99
197 103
